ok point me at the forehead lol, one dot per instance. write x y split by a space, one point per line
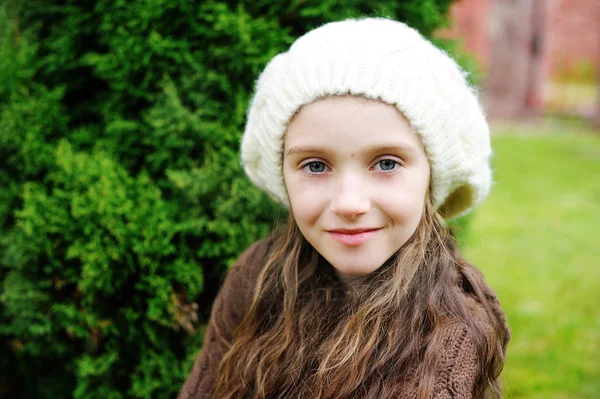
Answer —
351 123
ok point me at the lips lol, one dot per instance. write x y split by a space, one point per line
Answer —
352 237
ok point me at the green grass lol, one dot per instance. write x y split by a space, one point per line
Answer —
537 240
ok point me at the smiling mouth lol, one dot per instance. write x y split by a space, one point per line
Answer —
352 237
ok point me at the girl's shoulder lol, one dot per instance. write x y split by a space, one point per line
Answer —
463 358
481 300
251 262
242 276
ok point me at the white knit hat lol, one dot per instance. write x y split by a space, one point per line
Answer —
379 59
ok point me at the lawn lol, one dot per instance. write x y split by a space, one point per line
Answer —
537 239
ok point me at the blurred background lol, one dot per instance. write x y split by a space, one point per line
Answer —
536 236
536 57
123 203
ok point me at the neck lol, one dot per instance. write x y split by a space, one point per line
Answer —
349 281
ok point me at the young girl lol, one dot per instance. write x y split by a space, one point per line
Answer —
371 136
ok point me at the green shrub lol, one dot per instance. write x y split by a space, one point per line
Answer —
123 200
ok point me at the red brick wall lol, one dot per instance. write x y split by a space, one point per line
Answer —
572 34
470 24
470 21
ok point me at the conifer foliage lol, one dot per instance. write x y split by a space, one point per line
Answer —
122 198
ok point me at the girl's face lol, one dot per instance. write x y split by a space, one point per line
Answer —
357 177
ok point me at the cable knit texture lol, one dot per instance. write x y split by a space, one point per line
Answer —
379 59
456 372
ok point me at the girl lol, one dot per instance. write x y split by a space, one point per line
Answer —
371 136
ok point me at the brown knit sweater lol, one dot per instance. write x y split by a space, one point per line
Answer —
457 369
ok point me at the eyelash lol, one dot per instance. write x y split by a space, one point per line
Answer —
312 174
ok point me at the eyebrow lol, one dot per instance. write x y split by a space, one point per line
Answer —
403 148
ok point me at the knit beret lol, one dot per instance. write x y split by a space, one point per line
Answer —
384 60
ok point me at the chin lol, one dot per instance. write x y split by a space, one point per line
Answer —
355 269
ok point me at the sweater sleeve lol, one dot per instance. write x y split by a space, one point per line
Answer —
227 313
458 369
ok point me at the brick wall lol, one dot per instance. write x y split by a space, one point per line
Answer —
573 33
470 23
571 36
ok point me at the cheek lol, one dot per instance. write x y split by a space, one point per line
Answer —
403 204
404 211
308 200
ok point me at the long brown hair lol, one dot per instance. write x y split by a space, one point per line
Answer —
306 335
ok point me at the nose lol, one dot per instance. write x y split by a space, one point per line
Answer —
350 198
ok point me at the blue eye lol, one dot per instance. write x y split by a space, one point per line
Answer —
387 164
316 167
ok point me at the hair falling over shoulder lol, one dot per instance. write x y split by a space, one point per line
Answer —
307 336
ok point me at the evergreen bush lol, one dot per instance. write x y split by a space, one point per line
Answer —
122 198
